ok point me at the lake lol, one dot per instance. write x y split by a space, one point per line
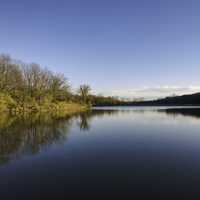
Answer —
107 152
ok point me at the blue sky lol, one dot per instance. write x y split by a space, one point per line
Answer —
130 48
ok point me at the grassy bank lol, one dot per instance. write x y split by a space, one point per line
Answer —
46 106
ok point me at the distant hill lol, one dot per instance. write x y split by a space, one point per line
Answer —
184 100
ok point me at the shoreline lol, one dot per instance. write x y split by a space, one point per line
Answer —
60 109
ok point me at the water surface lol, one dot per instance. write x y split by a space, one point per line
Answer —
108 152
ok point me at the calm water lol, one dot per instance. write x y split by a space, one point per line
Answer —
108 152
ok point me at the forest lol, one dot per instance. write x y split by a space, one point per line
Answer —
31 88
26 88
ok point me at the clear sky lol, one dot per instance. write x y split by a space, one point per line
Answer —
120 47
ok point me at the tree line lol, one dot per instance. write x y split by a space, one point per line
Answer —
22 84
25 85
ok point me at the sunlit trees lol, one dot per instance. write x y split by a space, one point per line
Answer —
59 87
32 87
31 84
10 75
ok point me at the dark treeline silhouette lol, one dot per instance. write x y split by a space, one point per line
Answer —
184 100
98 100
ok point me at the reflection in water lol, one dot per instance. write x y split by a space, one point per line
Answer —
84 122
129 151
86 117
19 136
191 112
28 136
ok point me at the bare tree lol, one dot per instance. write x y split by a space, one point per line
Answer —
84 91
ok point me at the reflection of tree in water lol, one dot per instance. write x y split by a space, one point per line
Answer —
86 117
190 112
84 122
22 136
30 135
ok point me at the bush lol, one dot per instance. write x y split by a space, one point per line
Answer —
6 102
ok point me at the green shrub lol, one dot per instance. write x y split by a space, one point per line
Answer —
6 102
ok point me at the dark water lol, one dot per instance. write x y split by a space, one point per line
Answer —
108 152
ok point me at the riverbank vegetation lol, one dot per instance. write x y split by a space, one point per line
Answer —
29 88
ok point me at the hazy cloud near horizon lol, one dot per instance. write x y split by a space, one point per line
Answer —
152 92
